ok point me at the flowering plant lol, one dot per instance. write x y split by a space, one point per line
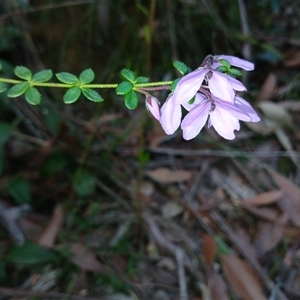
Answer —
209 94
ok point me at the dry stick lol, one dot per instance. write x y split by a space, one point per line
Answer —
49 295
234 238
9 218
167 246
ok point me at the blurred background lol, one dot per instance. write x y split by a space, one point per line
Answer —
97 202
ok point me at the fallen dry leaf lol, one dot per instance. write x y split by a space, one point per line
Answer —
268 234
165 175
290 200
216 285
209 249
85 258
292 60
264 198
268 88
48 236
241 278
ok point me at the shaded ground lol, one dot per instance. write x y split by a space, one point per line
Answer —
111 207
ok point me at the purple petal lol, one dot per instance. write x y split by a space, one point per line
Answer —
224 123
238 62
220 87
170 115
235 84
152 106
247 108
233 110
195 120
199 98
188 86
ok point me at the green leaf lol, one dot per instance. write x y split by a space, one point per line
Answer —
128 74
19 189
18 89
131 100
181 67
141 79
124 88
42 76
2 87
72 95
92 95
191 101
174 84
66 77
85 183
23 72
0 66
235 73
33 96
222 69
225 63
5 130
30 253
87 76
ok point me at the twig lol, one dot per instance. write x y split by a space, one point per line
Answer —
49 295
165 245
9 218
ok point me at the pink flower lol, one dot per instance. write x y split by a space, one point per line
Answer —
222 115
152 105
220 85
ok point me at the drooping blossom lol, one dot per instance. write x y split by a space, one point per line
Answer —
152 105
222 115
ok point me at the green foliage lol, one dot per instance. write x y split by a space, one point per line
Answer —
33 96
235 73
42 76
18 89
19 189
174 84
72 95
23 72
181 67
191 101
66 77
85 183
131 100
92 95
30 253
128 74
222 69
225 63
2 87
124 87
141 79
87 76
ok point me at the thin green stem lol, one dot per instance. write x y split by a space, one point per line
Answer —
91 86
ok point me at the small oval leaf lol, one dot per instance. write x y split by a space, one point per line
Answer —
42 76
87 76
225 63
124 88
92 95
141 79
33 96
72 95
131 100
66 77
2 87
181 67
128 74
18 89
235 73
23 72
174 84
